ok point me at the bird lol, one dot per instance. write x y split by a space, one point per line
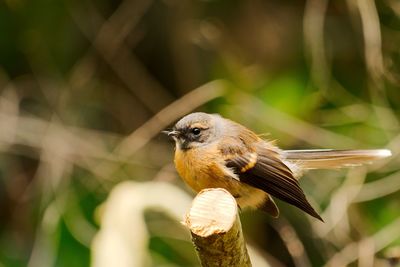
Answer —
215 152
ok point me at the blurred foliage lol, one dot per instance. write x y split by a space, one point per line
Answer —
77 78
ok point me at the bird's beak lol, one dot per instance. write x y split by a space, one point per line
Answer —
172 133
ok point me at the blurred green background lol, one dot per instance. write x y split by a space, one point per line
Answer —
86 87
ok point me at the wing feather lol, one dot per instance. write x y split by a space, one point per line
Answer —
331 159
263 168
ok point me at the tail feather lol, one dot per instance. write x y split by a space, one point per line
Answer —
331 159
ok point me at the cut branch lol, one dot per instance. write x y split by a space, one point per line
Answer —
216 230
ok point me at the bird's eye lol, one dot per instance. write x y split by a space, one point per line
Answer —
196 131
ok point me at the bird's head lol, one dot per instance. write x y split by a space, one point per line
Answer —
195 130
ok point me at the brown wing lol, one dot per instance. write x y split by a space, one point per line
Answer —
262 168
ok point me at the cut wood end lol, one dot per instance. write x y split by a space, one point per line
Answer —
213 211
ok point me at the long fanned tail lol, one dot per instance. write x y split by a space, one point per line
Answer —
331 159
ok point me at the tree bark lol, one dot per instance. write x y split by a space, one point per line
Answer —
216 229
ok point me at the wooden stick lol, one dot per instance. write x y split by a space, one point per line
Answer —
216 230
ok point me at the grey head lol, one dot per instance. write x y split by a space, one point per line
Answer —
195 130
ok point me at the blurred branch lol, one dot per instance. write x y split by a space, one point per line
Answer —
394 145
79 145
185 104
9 113
292 242
378 241
372 38
379 188
123 211
169 114
123 236
45 246
335 214
293 126
313 24
141 136
262 258
374 61
30 131
119 56
315 50
53 200
216 230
